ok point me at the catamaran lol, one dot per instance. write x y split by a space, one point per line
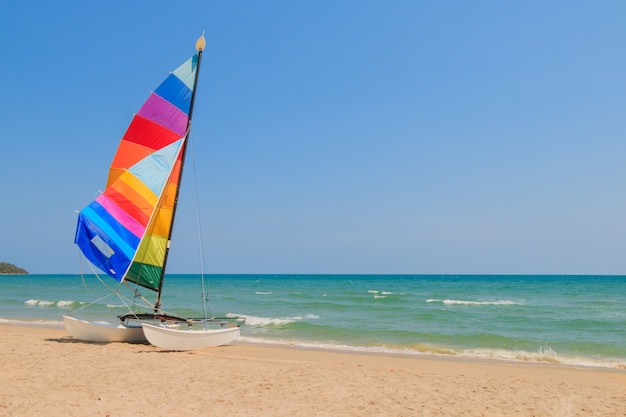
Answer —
126 231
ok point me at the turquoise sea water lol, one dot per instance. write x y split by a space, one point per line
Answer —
576 320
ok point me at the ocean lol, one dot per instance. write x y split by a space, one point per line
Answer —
571 320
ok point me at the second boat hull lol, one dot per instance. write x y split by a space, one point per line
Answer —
103 332
173 339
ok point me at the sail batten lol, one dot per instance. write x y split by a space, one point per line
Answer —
125 231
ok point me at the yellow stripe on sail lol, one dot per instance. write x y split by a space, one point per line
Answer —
162 222
141 188
152 250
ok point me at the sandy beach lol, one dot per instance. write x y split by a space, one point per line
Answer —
47 372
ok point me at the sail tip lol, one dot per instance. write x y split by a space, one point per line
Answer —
201 43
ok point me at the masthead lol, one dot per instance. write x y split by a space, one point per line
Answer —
200 43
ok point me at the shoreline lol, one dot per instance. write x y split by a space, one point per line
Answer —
47 372
582 363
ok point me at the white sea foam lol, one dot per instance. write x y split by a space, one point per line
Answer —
272 321
40 303
382 294
475 303
37 323
306 316
266 321
46 303
542 355
65 304
263 292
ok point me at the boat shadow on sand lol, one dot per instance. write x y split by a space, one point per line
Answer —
70 339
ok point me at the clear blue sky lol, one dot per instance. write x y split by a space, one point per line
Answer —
332 136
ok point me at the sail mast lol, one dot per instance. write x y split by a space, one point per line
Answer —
200 45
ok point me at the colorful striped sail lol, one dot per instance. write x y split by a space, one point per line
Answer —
126 230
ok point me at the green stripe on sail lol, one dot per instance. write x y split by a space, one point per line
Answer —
145 275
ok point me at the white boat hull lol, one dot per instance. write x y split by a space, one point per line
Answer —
173 339
102 332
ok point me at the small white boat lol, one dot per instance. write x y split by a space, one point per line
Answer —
104 332
174 339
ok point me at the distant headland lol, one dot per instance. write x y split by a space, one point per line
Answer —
7 268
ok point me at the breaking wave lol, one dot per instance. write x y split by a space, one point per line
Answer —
60 304
541 356
272 321
475 303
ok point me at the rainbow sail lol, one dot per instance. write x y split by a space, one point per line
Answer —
125 232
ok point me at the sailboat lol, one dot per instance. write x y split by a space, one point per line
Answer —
126 231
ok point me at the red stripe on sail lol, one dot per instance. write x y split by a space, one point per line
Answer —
132 203
149 134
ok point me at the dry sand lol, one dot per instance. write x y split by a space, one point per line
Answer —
45 372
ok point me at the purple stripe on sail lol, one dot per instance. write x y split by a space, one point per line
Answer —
165 114
121 216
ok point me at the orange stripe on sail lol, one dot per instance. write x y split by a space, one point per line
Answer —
133 197
140 188
128 154
141 214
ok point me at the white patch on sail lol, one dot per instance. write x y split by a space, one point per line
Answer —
102 246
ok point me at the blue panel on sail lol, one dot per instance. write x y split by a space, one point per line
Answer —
176 92
112 229
103 253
